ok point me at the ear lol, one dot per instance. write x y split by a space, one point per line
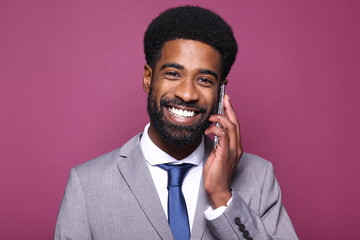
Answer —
147 78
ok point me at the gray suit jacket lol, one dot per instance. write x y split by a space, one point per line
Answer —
114 197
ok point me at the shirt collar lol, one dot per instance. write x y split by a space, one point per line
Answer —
155 156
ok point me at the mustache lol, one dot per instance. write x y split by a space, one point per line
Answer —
180 102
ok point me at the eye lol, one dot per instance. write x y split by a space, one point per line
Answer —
172 75
206 82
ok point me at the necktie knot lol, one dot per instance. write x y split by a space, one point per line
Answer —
176 173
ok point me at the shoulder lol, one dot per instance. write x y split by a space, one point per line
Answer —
103 172
109 159
253 166
249 160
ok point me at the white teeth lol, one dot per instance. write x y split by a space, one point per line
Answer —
181 113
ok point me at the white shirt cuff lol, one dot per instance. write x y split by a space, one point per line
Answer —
211 214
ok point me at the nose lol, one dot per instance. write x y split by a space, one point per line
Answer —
187 91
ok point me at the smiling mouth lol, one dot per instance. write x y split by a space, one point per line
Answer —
180 113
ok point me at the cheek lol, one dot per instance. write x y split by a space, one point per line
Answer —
211 101
159 84
156 89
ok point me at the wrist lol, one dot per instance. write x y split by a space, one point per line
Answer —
218 199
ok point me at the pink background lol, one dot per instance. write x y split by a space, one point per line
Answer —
70 90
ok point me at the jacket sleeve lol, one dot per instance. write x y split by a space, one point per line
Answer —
72 222
268 221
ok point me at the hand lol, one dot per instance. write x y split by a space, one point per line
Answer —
222 161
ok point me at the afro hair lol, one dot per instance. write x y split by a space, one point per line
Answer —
192 23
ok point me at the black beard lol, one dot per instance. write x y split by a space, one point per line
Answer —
176 135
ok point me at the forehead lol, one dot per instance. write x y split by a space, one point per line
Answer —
191 54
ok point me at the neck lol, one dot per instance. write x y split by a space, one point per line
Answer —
177 152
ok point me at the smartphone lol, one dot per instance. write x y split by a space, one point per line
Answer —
220 110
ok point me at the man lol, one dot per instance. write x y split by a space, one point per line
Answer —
225 193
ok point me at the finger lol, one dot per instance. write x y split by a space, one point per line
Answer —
224 122
229 110
222 133
232 133
229 128
230 113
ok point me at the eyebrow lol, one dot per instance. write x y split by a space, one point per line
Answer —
181 67
172 65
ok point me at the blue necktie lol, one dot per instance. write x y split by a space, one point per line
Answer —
177 212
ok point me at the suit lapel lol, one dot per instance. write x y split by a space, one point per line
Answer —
133 168
200 224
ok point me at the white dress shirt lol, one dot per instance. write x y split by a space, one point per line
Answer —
190 188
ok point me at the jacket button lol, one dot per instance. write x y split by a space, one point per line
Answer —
242 228
237 221
246 234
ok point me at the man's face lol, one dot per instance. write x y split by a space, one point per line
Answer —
183 89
